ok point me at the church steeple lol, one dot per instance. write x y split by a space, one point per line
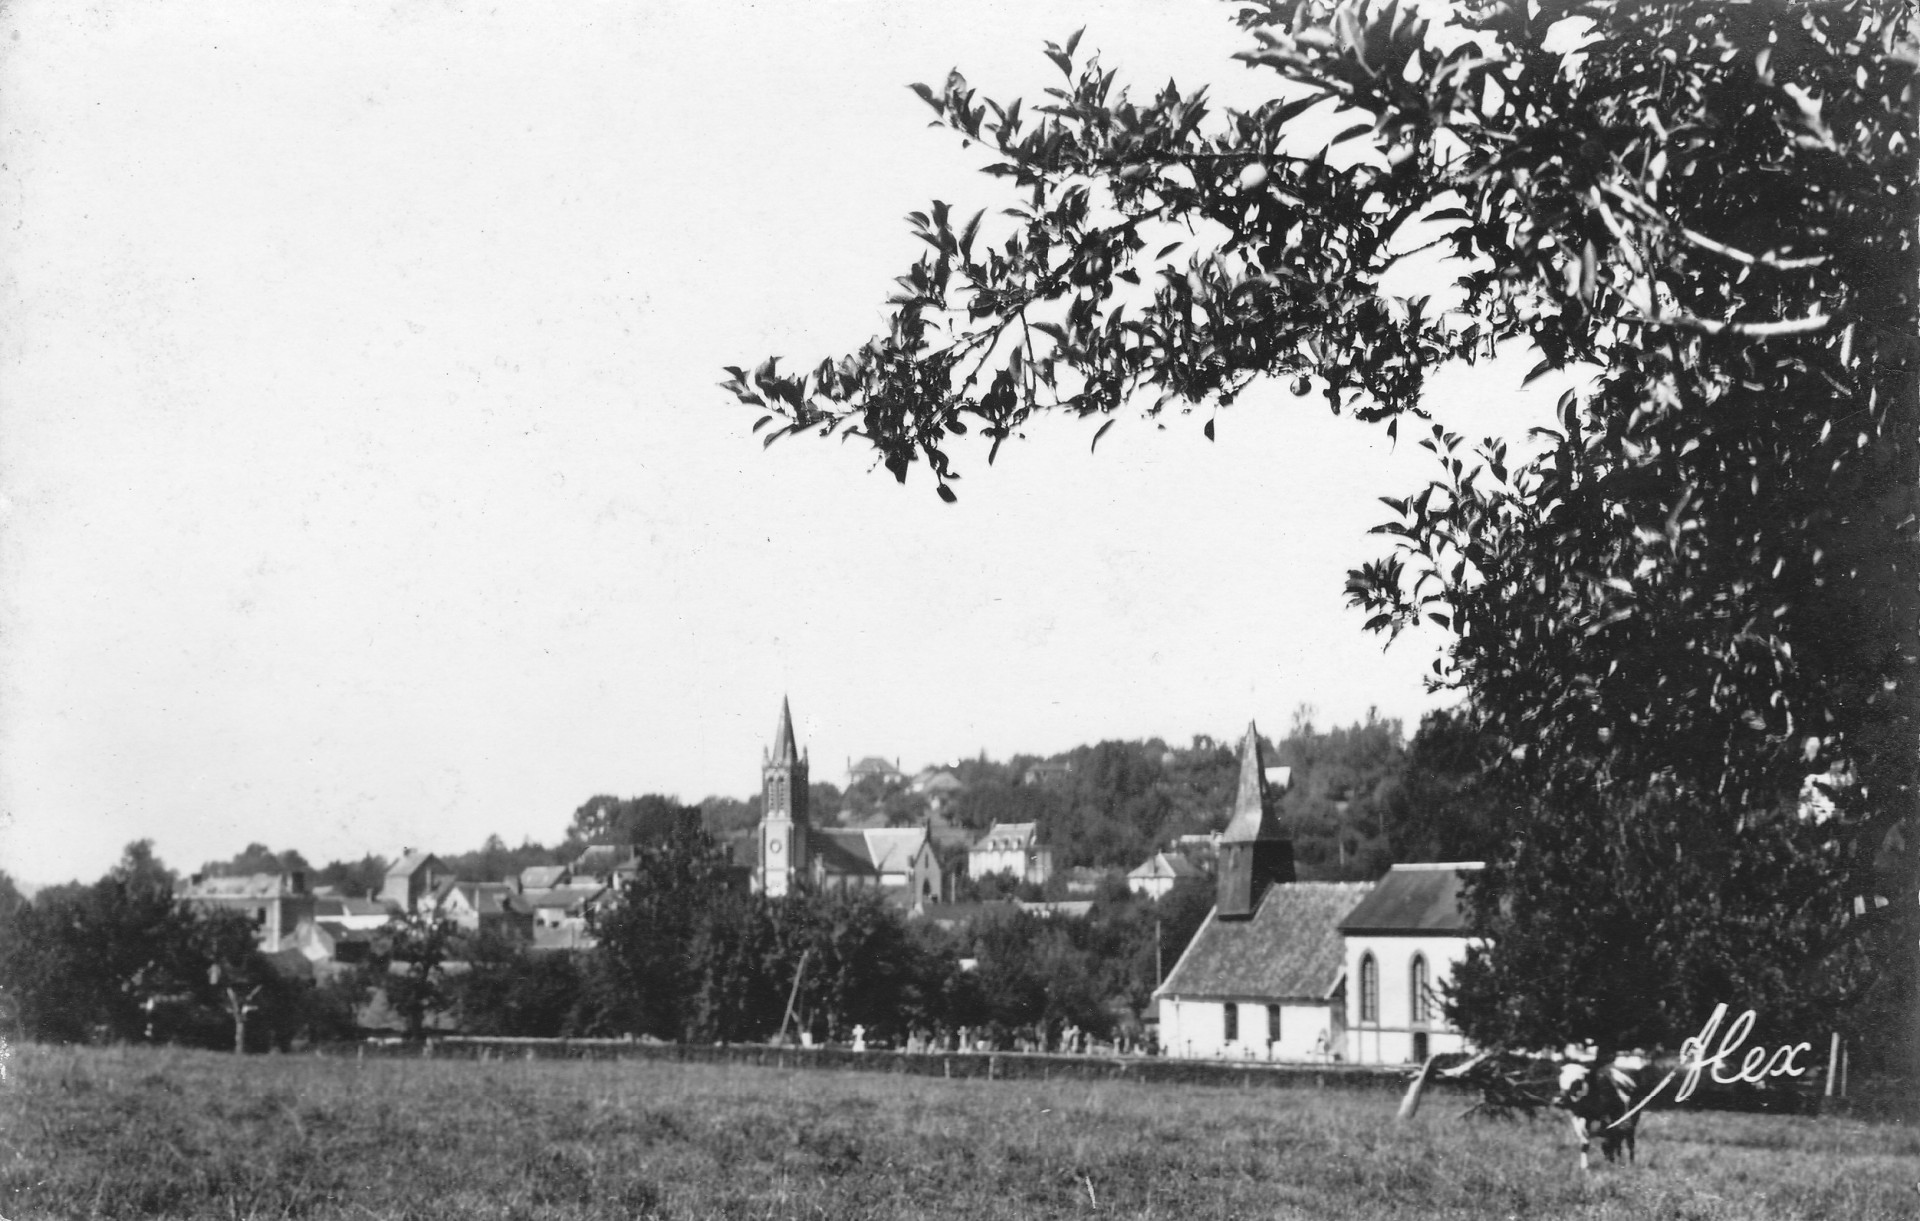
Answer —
783 811
784 751
1254 851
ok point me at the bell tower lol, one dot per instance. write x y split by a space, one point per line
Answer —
1254 851
783 812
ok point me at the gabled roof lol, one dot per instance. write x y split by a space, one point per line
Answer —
1022 833
892 849
1289 950
873 765
409 862
1422 898
485 898
1167 865
941 782
1251 820
540 877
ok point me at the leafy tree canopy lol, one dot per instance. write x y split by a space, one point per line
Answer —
1705 586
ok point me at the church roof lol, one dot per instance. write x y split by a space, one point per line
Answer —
1251 819
892 849
1289 950
784 749
1421 898
841 852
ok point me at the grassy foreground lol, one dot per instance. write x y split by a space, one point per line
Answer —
134 1132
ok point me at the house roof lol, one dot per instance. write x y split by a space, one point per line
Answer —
602 858
1020 832
1422 898
563 897
1167 865
410 862
942 782
1251 819
873 765
540 877
1290 949
333 906
244 886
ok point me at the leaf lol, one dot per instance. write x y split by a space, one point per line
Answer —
1208 430
1098 435
946 493
1358 129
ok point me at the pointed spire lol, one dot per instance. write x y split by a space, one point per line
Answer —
784 750
1250 818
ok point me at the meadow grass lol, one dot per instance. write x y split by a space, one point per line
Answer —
138 1132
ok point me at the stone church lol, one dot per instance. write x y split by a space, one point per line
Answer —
788 853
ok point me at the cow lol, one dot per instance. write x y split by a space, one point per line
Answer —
1600 1100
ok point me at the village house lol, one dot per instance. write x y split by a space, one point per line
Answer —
1263 978
939 787
1011 847
1161 872
353 914
484 907
873 767
607 864
560 914
275 902
411 879
1402 943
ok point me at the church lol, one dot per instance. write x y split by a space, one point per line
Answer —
788 853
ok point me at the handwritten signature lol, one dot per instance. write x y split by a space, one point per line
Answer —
1756 1066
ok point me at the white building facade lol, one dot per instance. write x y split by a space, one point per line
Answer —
1402 943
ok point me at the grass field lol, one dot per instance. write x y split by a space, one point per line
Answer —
157 1133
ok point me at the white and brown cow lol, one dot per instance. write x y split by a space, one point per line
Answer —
1600 1100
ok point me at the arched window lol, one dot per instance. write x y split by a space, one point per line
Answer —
1420 999
1369 988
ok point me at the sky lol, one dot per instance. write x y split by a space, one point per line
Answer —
365 480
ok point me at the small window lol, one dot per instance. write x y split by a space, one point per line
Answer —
1369 989
1273 1023
1421 999
1233 1021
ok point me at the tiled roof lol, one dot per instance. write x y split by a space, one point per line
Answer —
1289 949
1414 899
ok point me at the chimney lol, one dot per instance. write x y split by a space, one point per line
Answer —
1254 852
